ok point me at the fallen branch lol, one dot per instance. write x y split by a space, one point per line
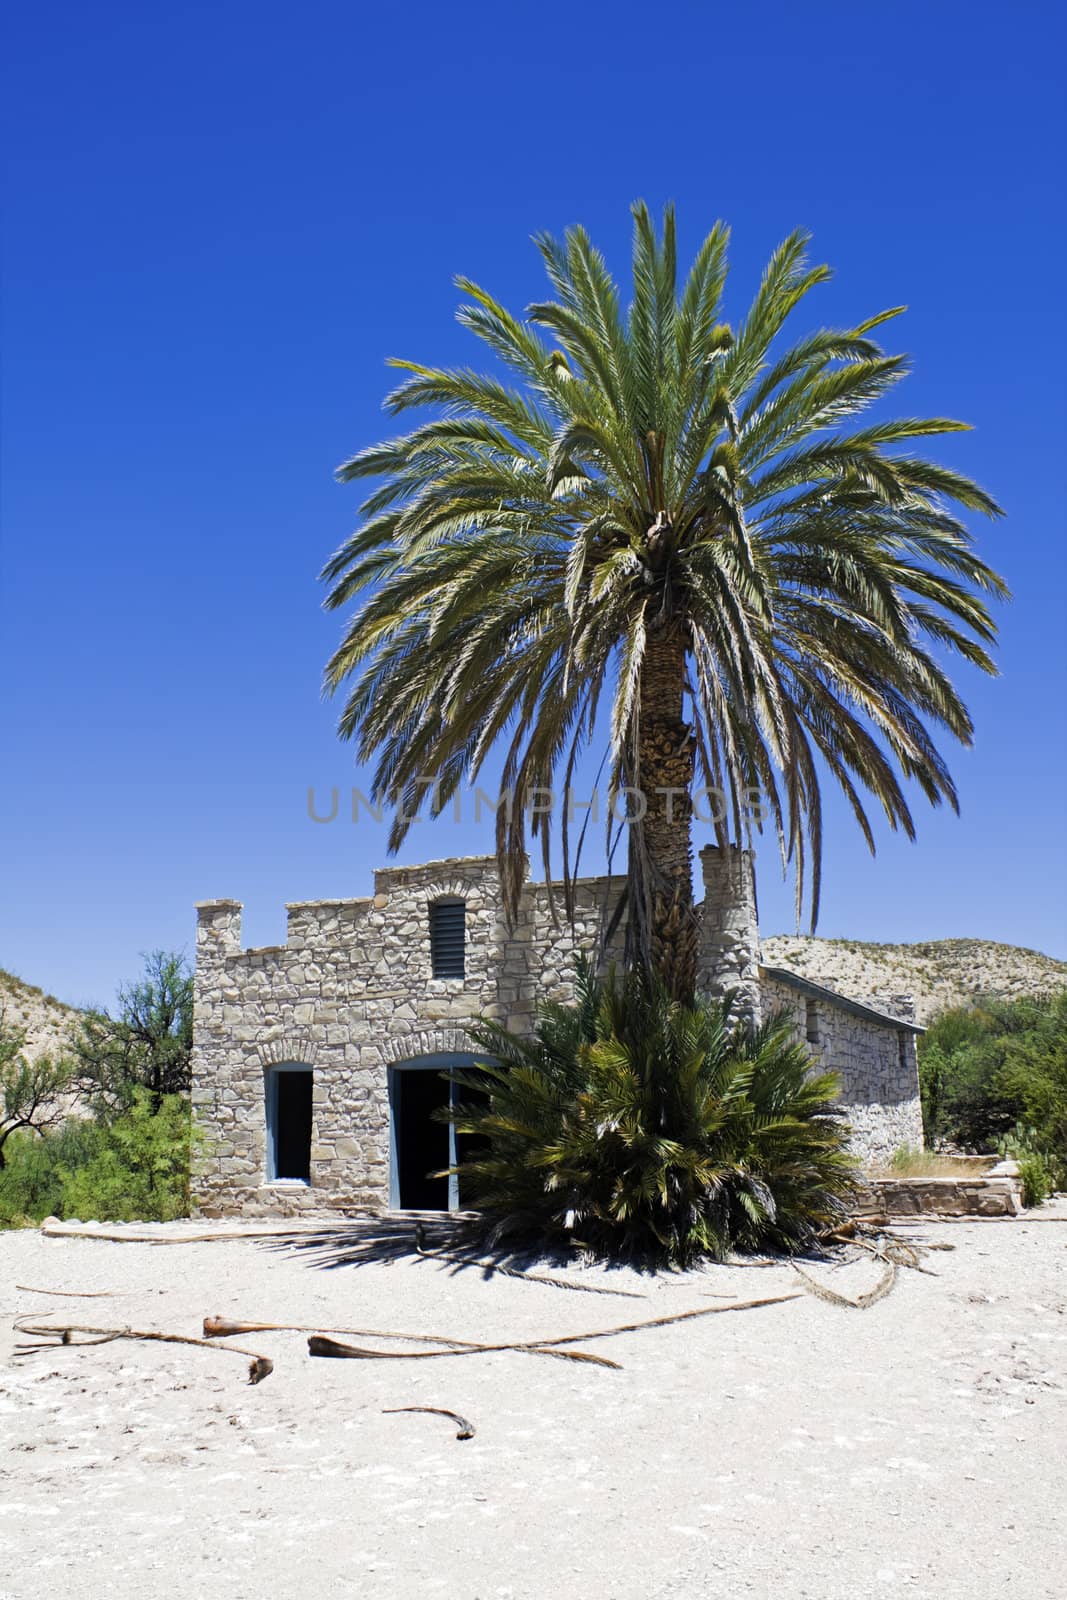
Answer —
862 1301
904 1249
64 1230
69 1294
466 1429
514 1272
320 1346
223 1328
55 1335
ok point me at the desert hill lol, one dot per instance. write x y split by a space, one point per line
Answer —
44 1019
938 974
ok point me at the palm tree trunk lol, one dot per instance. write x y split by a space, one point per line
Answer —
663 925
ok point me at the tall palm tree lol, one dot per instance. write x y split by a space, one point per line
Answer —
677 521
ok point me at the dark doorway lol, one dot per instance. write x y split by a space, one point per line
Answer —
289 1124
421 1142
469 1145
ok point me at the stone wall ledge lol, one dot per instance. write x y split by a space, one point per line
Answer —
966 1196
246 1201
347 900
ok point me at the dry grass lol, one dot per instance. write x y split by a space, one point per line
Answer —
912 1163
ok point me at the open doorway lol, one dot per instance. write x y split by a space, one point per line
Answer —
289 1103
420 1142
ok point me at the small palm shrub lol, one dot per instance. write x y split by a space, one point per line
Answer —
639 1128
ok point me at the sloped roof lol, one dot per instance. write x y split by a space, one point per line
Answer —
816 991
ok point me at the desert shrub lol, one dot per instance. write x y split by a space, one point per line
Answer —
133 1165
31 1182
1036 1170
140 1167
960 1059
1036 1178
130 1157
997 1073
1034 1076
637 1128
32 1088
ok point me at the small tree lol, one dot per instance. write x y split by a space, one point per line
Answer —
148 1044
31 1092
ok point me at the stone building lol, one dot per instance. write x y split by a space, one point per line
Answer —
316 1063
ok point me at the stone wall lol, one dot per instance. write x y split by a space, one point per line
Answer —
349 994
876 1062
728 957
993 1195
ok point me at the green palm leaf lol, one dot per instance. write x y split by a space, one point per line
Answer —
690 524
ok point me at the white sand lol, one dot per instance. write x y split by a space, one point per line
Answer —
800 1450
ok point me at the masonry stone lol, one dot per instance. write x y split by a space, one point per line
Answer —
351 998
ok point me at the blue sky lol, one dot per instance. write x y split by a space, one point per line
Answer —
222 219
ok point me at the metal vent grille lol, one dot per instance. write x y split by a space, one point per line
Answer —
447 938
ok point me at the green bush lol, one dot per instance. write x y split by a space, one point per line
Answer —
133 1166
140 1168
131 1158
1036 1179
1035 1170
1034 1075
636 1128
960 1059
31 1182
998 1073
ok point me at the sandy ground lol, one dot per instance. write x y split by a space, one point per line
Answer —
917 1447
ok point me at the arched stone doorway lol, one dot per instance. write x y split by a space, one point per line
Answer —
420 1143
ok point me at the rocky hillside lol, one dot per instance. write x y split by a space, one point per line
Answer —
44 1019
942 973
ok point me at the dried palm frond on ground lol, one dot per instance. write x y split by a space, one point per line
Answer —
224 1328
491 1267
67 1230
466 1430
892 1250
862 1301
318 1345
69 1294
54 1336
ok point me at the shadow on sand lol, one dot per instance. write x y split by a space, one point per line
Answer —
452 1242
